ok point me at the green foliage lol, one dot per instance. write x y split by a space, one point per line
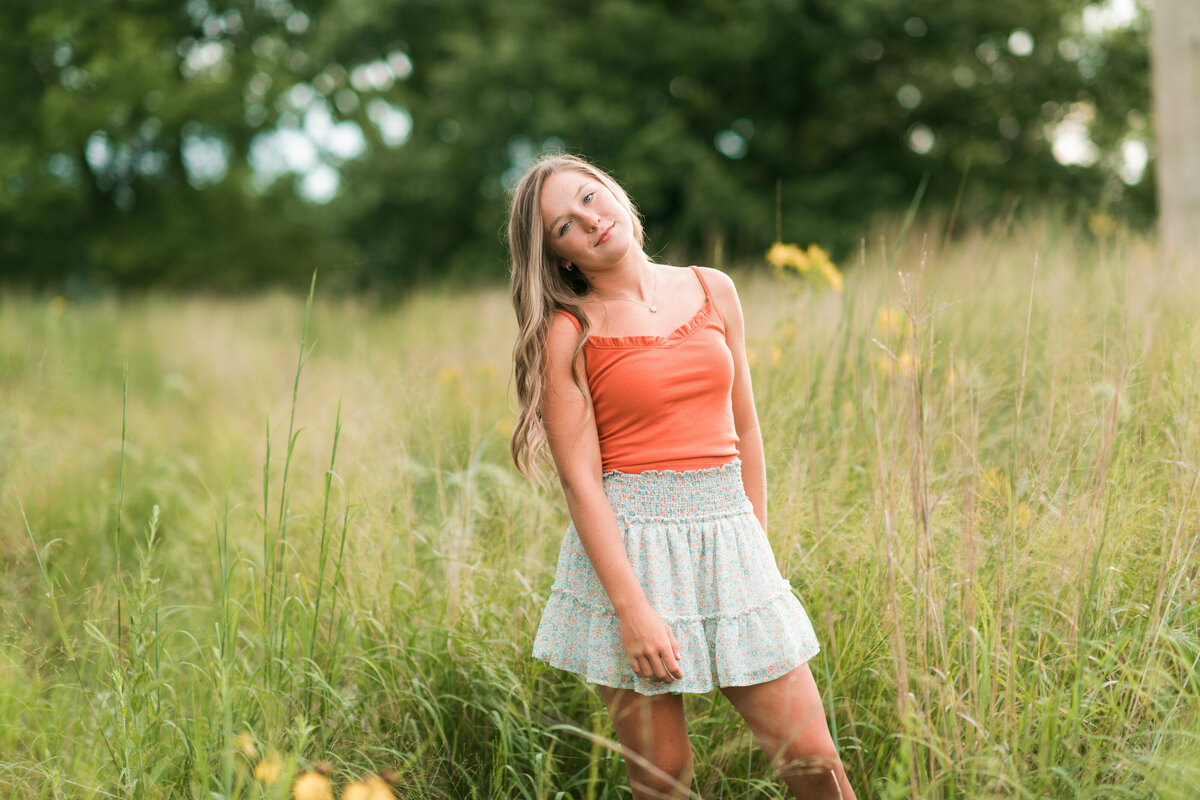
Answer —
100 104
701 109
803 93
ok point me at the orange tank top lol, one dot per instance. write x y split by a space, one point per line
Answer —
664 402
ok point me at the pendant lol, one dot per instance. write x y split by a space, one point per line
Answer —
653 309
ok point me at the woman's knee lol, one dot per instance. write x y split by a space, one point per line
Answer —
676 760
654 740
810 765
810 747
661 761
665 772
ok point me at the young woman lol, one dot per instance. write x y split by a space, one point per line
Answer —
635 375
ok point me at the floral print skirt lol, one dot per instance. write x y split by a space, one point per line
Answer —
706 567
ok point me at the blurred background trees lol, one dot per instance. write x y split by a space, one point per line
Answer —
224 144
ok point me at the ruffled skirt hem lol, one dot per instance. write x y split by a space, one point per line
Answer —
742 650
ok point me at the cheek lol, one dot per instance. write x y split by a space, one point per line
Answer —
618 210
561 246
575 238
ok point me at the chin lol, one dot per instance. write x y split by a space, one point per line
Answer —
618 246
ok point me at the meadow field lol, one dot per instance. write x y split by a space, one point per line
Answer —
224 559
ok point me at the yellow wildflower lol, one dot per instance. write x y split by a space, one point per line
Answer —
245 743
994 482
314 785
372 787
776 356
890 321
448 376
832 275
267 771
787 258
58 306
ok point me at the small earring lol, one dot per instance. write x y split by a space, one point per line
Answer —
568 266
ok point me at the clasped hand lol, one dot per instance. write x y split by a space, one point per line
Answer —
650 647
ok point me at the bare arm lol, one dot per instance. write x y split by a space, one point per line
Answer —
745 418
571 431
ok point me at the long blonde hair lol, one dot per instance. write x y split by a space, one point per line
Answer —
539 286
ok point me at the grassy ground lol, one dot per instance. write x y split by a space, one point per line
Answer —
983 485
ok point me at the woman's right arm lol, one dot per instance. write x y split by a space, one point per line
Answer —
649 644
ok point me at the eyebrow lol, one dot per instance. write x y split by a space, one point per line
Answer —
554 225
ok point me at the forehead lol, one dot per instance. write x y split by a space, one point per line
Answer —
560 188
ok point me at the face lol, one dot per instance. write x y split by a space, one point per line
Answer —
583 221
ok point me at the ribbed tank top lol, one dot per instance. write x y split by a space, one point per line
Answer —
664 402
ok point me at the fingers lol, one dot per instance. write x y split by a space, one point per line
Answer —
660 665
674 645
673 667
658 668
650 647
660 671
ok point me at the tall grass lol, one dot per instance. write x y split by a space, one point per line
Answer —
983 465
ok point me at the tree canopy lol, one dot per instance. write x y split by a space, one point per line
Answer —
232 143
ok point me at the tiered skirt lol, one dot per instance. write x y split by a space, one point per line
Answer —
706 567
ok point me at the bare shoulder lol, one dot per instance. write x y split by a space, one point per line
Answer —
723 290
562 336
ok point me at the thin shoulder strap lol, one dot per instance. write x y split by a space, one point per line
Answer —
571 317
703 283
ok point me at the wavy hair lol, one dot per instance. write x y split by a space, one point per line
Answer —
539 286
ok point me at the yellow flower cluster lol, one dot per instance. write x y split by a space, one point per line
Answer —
904 364
790 259
315 784
371 787
994 487
891 321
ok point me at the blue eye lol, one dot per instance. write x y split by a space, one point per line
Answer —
587 198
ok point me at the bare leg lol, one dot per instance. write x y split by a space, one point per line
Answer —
652 731
787 719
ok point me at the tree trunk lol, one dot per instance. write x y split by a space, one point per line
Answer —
1175 54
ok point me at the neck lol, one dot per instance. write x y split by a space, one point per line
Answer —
632 279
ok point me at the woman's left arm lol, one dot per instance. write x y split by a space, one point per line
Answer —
745 419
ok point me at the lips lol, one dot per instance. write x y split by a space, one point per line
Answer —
604 237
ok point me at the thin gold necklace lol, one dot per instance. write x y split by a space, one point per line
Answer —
653 306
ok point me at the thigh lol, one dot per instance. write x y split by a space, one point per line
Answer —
786 716
652 730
